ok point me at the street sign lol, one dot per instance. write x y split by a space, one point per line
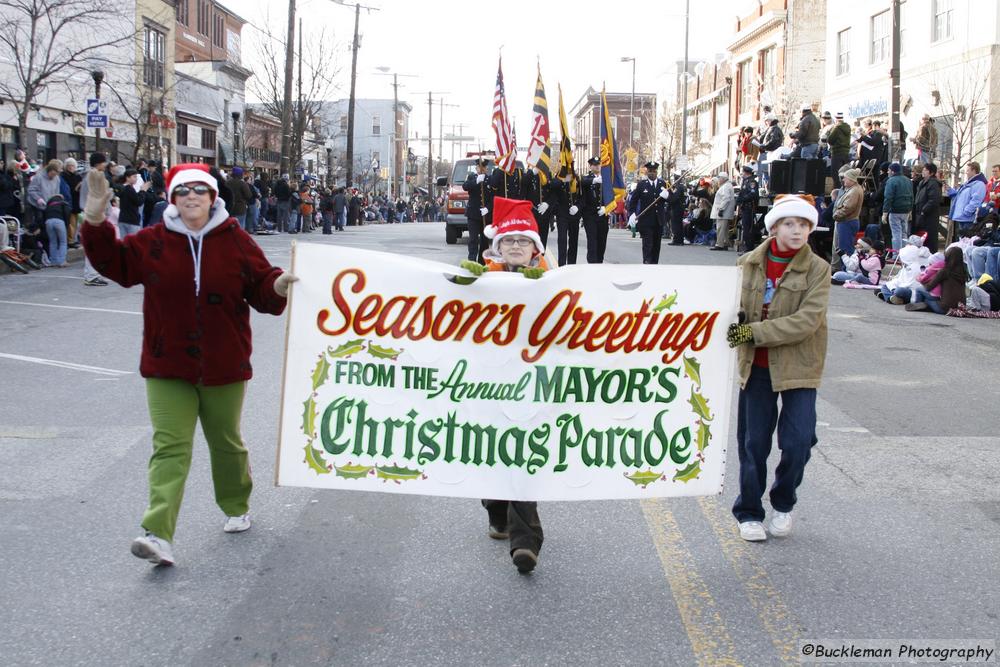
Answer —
97 120
682 163
300 170
97 107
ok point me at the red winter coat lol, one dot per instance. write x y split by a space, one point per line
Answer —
203 339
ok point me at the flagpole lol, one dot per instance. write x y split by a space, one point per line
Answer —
684 111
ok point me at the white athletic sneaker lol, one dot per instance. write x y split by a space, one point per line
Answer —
237 524
780 524
152 548
752 531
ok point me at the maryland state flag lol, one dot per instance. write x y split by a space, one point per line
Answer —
540 148
565 147
612 182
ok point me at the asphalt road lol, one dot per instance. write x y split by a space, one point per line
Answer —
897 532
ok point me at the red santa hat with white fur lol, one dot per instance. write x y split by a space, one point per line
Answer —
510 217
192 172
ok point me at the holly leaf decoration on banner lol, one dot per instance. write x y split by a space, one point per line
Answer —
689 473
314 458
380 352
693 370
643 479
309 418
700 406
319 373
666 303
353 471
349 348
702 436
397 473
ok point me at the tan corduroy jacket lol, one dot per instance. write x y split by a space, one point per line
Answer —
848 206
794 332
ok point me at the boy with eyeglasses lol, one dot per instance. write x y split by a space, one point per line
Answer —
515 246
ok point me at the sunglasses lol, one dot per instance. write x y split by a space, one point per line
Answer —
184 191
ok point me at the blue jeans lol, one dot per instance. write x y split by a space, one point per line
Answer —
846 231
985 259
899 226
844 276
56 231
242 219
809 151
903 293
253 212
342 219
283 209
756 419
933 302
125 229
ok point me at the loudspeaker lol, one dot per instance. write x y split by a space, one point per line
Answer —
808 176
797 176
780 182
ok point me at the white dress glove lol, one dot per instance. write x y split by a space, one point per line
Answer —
602 211
480 178
597 179
664 194
632 220
573 210
484 211
282 283
542 208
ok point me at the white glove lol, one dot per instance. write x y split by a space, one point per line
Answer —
632 220
282 283
601 211
597 179
573 210
480 178
542 208
664 194
484 211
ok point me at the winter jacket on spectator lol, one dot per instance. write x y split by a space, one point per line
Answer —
773 139
72 181
966 200
848 206
724 205
57 208
898 195
241 196
41 188
808 130
130 202
839 139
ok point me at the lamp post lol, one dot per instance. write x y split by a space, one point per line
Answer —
631 101
98 76
236 137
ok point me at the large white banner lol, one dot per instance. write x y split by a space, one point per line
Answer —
599 381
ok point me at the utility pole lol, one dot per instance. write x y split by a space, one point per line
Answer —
684 76
286 107
299 124
398 135
895 133
430 143
350 103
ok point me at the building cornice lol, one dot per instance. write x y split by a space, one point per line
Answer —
757 29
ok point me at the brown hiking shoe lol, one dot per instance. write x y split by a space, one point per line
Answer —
498 532
524 560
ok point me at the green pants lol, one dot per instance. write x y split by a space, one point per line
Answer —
175 406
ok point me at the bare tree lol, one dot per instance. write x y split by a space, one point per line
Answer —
965 104
50 41
317 71
145 111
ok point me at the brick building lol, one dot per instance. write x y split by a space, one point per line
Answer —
586 120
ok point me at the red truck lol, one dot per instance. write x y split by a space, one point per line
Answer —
457 198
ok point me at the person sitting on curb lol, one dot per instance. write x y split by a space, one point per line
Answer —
515 246
942 286
864 266
782 349
196 338
914 258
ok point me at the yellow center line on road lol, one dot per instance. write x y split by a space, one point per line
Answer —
764 597
710 640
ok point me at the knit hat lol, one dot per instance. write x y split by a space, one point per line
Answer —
237 171
792 206
895 168
181 174
852 174
512 216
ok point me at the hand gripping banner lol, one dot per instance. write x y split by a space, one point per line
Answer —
408 376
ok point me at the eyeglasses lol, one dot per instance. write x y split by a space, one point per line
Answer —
184 191
524 243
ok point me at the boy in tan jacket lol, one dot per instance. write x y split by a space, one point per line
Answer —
782 348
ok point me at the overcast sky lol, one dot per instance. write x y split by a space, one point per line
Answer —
452 47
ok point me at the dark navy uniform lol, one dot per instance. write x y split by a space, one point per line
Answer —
594 224
746 203
510 186
676 201
647 196
538 194
568 215
480 196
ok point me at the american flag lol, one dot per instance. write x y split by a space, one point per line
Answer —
506 145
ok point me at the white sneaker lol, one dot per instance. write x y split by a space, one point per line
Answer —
152 548
237 524
780 524
752 531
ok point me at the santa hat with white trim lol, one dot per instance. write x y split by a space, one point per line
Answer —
510 217
792 206
192 172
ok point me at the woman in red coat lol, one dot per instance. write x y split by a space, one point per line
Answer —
201 274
